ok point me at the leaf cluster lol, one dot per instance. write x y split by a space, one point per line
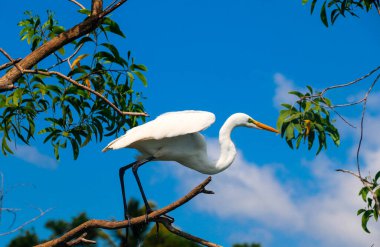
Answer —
72 116
342 8
307 120
36 32
370 195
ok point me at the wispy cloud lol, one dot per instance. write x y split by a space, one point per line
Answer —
34 156
283 86
249 192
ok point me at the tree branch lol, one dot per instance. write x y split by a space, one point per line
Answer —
104 224
96 7
6 65
168 225
78 3
42 213
80 240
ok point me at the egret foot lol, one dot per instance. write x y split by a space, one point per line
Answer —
169 218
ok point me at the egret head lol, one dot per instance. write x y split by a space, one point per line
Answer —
252 123
242 119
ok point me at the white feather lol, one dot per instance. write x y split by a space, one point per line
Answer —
167 125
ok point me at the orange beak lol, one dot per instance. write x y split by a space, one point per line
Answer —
266 127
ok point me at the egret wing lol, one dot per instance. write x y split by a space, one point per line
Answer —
165 126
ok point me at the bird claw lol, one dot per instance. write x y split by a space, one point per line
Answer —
169 218
147 212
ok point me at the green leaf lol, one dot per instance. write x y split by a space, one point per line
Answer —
313 6
299 94
141 77
141 67
310 139
293 116
377 176
364 192
324 15
365 217
304 2
75 148
56 150
360 211
289 132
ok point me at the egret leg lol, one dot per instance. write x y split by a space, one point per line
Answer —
121 177
135 167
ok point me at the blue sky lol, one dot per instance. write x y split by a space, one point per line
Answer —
223 57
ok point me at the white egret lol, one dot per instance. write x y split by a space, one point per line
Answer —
174 136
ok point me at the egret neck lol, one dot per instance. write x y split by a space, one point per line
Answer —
227 147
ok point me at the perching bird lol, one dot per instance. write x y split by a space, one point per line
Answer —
174 136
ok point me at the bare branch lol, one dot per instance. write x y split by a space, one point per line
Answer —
367 183
80 240
104 224
6 65
42 213
78 3
50 73
10 58
362 123
166 222
352 82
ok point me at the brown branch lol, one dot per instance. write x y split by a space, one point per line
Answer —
6 65
367 183
168 225
80 240
46 49
96 7
50 73
42 213
104 224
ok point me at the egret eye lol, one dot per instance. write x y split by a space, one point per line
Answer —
250 120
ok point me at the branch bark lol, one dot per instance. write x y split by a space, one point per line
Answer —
152 217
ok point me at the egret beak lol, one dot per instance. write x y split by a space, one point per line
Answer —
265 127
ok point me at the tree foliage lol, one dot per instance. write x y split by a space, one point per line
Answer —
307 120
332 9
86 99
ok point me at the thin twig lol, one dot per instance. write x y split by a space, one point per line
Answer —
6 65
168 225
50 73
13 61
362 123
78 3
104 224
110 9
352 82
355 175
80 240
42 213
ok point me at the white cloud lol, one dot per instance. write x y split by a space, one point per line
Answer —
248 192
283 86
32 155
